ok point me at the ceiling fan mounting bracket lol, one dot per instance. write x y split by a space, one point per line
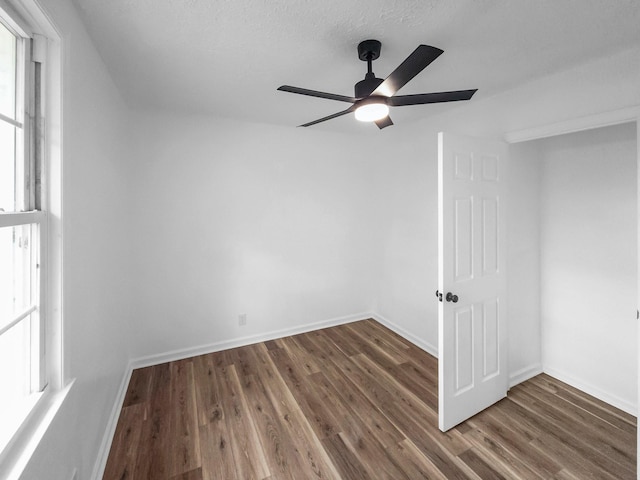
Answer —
369 50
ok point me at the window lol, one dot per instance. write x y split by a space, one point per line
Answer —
23 228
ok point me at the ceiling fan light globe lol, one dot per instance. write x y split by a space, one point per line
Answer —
371 112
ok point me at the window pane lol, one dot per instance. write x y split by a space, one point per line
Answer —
14 364
16 272
7 72
7 167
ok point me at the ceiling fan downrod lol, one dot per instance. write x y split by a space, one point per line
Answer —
368 51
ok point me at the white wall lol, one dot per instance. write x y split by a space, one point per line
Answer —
236 218
95 252
523 262
638 269
407 224
588 261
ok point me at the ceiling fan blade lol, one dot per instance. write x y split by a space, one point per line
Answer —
413 65
384 122
330 117
314 93
422 98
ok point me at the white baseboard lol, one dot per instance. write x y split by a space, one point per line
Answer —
621 403
418 342
524 374
105 446
180 354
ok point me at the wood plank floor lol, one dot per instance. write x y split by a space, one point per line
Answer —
353 402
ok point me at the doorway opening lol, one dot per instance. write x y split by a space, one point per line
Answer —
573 257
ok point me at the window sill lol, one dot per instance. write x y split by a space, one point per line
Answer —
13 416
18 450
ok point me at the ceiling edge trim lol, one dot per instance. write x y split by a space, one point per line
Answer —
598 120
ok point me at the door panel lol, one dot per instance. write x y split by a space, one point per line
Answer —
463 246
489 236
472 243
464 349
491 339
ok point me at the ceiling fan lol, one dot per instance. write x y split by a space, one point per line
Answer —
374 96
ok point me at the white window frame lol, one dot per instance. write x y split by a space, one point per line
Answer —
32 213
26 18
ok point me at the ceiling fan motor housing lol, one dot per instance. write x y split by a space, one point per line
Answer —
364 87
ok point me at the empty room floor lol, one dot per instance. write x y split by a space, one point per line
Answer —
355 402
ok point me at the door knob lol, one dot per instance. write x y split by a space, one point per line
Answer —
451 297
439 295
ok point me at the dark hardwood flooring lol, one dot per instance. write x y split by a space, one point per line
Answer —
353 402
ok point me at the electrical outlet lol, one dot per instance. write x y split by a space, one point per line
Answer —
242 319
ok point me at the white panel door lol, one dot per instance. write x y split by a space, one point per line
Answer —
472 343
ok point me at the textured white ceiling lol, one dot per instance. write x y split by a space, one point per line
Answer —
227 57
